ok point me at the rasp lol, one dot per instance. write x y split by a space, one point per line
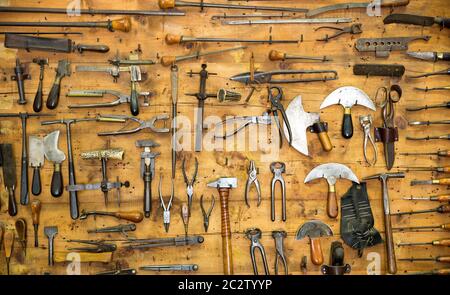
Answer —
429 55
9 176
411 19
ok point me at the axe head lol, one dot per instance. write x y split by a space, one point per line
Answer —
116 154
313 229
331 172
224 182
299 121
348 96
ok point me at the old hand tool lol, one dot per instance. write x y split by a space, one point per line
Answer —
169 4
190 183
53 154
169 60
430 55
164 242
276 21
260 77
8 245
105 186
383 177
234 124
435 198
41 33
304 265
100 246
38 99
254 235
436 73
185 217
428 123
366 125
18 41
21 230
91 11
441 209
24 197
434 169
35 216
382 70
133 216
121 228
336 266
279 236
331 172
426 107
173 129
36 154
275 55
147 124
354 29
118 270
432 272
172 39
424 228
302 121
278 168
171 267
121 98
123 24
444 153
50 232
9 176
207 214
347 97
224 185
347 6
147 171
314 229
252 179
444 259
166 207
256 15
388 134
445 137
426 21
383 46
275 97
426 89
20 74
443 242
62 71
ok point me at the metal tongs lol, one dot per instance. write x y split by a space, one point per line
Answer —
148 124
121 98
101 246
265 119
260 77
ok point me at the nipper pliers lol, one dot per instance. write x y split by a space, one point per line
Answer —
353 29
252 178
254 235
278 168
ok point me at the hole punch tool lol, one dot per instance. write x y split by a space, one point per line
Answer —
207 214
279 236
278 168
100 246
265 119
148 124
366 125
254 235
121 98
353 29
190 183
277 106
252 179
166 207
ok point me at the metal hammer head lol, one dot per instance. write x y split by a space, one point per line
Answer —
385 176
146 143
331 172
348 96
50 231
313 229
116 154
224 182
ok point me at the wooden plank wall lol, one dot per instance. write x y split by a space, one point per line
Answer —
304 202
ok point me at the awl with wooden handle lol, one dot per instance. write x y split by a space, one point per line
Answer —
435 198
275 55
445 153
441 209
444 259
441 181
444 242
35 216
445 169
445 226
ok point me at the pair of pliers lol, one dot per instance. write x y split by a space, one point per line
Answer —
149 124
189 183
254 235
353 29
101 247
252 178
265 119
276 105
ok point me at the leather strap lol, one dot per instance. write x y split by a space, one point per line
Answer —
386 135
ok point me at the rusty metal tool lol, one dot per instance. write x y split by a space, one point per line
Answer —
426 89
51 232
99 246
354 29
185 217
254 235
428 123
56 156
383 177
207 214
189 183
435 198
426 21
171 267
173 129
445 137
288 21
8 246
383 46
35 216
263 77
164 242
143 124
234 124
38 98
353 5
444 153
441 209
443 242
21 230
169 60
381 70
121 228
105 185
172 39
436 73
62 71
331 172
256 15
20 75
252 179
166 207
121 98
147 171
123 24
169 4
36 155
426 107
445 227
430 55
314 229
133 216
444 259
275 55
442 181
434 169
278 168
279 236
9 176
224 185
337 266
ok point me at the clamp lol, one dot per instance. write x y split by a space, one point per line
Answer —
252 178
278 168
353 29
148 124
366 124
121 98
254 235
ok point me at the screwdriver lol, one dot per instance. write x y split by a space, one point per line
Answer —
444 242
185 217
444 153
8 245
442 181
433 272
440 209
443 259
435 198
445 169
35 214
445 226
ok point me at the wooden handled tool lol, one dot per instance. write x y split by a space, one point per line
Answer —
445 153
8 245
441 181
170 60
314 230
443 242
275 55
133 216
35 216
436 198
441 209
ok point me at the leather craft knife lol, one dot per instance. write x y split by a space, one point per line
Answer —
411 19
429 55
